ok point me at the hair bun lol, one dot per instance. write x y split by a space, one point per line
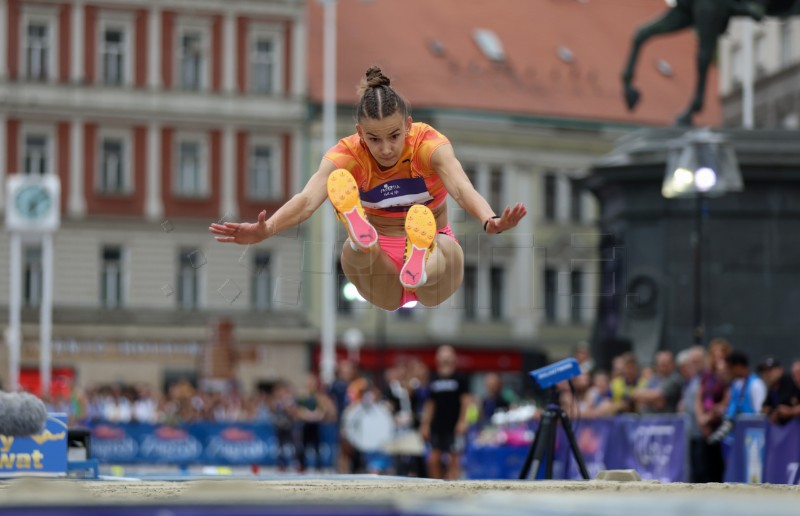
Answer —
376 78
377 99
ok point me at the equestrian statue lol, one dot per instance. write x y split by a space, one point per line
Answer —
709 18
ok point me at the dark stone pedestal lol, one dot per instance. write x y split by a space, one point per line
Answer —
750 268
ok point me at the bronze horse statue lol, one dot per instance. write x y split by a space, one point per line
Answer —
710 20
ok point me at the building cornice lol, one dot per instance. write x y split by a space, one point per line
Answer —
146 106
284 8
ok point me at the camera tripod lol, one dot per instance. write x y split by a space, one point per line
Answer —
544 444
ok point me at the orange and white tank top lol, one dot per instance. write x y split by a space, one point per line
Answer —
390 193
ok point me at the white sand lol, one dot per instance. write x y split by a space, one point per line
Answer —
463 497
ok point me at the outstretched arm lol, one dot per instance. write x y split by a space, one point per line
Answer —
295 211
445 163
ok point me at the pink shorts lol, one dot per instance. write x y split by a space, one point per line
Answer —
395 248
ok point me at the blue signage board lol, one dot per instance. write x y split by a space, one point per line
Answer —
44 454
202 443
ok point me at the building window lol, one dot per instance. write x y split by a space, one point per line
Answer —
37 51
550 297
112 166
262 66
113 57
261 287
470 286
786 43
32 281
190 173
550 195
265 59
343 305
496 190
37 159
188 280
576 202
496 287
264 174
576 298
111 278
192 61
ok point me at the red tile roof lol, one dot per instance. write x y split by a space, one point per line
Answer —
395 34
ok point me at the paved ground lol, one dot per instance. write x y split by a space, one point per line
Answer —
405 496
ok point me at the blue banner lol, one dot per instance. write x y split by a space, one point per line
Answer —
655 446
204 443
43 454
745 450
504 456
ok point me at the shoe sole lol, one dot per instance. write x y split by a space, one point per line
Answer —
343 193
420 233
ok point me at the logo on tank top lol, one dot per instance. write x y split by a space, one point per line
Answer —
389 190
397 194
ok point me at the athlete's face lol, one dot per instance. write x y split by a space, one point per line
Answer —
385 137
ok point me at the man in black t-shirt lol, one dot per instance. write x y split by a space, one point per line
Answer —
444 416
783 396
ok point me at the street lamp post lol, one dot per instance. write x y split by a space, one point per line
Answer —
700 165
698 322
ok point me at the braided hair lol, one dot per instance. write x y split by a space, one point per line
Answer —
377 99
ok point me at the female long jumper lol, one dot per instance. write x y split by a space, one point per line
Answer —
388 183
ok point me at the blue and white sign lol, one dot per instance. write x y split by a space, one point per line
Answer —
44 454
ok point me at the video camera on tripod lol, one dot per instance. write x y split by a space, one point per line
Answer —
553 374
544 444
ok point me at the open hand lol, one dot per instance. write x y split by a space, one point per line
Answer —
241 232
509 219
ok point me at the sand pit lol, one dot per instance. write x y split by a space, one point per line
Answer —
418 496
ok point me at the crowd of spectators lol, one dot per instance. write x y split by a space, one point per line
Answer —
710 385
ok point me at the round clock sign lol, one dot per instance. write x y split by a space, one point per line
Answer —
32 203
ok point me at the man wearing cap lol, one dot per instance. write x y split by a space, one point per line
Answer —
783 396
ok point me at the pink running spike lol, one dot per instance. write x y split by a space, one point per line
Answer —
360 229
413 272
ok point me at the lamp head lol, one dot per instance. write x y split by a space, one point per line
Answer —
701 163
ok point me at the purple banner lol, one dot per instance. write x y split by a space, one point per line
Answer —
655 446
782 457
593 438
